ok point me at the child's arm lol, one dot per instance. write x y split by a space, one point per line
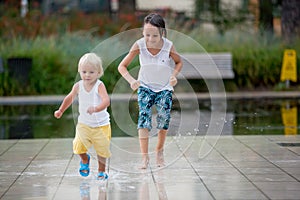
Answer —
105 100
122 68
178 65
68 100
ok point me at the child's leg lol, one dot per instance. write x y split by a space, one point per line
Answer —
84 158
101 164
161 137
163 103
81 143
84 169
102 175
101 141
144 140
145 102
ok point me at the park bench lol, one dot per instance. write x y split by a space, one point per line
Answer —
210 67
206 66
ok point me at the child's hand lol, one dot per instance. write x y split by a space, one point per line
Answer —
58 114
173 80
135 85
91 110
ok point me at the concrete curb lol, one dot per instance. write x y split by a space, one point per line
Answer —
56 99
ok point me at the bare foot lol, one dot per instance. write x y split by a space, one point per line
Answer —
145 162
160 158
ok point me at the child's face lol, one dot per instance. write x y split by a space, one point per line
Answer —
88 73
152 35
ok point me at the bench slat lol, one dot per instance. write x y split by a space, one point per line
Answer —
207 66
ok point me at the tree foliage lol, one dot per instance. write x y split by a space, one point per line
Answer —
223 15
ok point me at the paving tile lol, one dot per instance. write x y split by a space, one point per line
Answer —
280 186
287 163
32 187
292 170
212 167
296 150
131 186
239 195
252 164
7 179
168 176
270 177
6 145
221 177
283 194
187 191
229 185
260 170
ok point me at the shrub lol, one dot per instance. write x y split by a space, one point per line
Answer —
257 59
55 43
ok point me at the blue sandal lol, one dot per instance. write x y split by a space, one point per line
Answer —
102 176
84 169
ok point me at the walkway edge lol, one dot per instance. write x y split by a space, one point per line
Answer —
56 99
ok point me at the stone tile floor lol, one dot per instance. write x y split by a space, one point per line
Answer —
197 167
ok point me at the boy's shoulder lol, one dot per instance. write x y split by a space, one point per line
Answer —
99 83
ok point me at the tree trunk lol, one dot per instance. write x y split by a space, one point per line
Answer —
266 16
290 19
126 6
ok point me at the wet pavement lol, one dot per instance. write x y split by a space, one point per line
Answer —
197 167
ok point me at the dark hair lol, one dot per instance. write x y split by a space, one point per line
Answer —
157 21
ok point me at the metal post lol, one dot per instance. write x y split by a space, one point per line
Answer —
24 8
287 83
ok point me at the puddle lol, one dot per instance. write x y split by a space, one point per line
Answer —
243 117
289 144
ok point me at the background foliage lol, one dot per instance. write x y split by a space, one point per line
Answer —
55 44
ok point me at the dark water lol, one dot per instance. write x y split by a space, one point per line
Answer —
244 117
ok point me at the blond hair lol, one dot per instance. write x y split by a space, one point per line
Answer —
93 60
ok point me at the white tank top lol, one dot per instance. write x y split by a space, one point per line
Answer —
155 70
87 99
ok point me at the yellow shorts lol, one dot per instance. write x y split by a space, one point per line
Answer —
86 136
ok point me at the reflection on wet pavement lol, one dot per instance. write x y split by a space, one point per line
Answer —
197 167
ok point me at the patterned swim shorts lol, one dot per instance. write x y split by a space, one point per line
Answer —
163 103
